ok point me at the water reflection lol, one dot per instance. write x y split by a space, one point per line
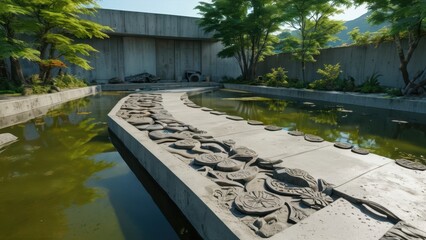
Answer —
63 179
365 127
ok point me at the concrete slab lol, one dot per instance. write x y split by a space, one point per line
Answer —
336 166
340 220
401 190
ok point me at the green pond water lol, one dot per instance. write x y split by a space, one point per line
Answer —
388 133
63 179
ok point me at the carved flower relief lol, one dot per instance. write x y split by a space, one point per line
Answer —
316 200
258 203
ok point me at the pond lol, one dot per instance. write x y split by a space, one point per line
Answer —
63 179
387 133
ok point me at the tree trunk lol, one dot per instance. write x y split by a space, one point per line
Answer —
303 71
16 71
3 70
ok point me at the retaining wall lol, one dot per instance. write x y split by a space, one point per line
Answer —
356 61
415 105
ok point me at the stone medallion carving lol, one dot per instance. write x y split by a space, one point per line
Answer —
218 113
404 231
254 122
316 200
235 118
140 121
296 177
209 159
229 165
273 128
296 133
411 164
361 151
267 227
268 163
282 188
154 127
187 144
295 214
313 138
245 175
343 145
226 195
243 154
258 203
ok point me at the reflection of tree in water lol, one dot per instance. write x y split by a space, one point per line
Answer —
41 178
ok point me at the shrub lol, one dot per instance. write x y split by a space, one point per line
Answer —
8 87
68 81
329 78
372 84
277 77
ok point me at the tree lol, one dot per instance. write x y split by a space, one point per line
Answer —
10 46
245 29
56 26
407 20
311 20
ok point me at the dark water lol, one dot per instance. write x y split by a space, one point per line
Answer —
388 133
64 180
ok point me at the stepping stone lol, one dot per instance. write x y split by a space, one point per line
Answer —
235 118
273 128
411 164
193 105
296 133
218 113
361 151
343 145
206 109
254 122
313 138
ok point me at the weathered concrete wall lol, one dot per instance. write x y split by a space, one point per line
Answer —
150 24
356 61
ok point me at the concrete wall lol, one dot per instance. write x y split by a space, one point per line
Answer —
356 61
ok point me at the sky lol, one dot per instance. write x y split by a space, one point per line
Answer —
186 7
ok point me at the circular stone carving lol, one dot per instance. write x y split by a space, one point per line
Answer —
243 154
411 164
343 145
187 144
258 203
245 175
235 118
296 133
254 122
281 188
316 200
273 128
206 109
140 121
209 159
218 113
154 127
361 151
313 138
229 165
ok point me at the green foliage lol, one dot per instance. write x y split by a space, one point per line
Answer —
329 78
311 20
366 38
8 87
394 92
68 81
277 77
245 29
372 84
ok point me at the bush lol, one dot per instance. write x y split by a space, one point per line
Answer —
277 77
8 87
68 81
329 78
372 84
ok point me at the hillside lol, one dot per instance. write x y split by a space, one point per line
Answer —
363 26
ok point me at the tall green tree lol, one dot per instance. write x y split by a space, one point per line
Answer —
245 29
11 25
57 25
407 20
311 20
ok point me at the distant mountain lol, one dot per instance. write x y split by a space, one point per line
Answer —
363 26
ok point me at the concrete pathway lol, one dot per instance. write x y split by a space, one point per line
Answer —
370 177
